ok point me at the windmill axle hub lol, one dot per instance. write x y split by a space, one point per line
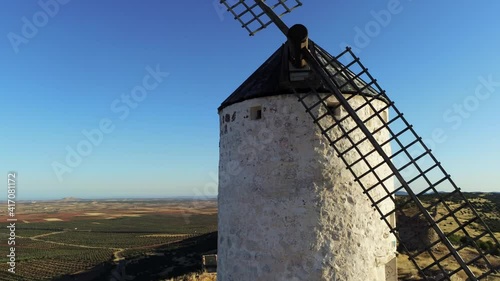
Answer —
298 39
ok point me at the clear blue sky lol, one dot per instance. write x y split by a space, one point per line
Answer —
66 76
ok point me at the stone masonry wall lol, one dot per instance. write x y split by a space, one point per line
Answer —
288 208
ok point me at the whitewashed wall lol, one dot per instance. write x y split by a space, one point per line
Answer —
288 208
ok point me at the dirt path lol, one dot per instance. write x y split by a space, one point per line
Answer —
117 254
47 234
73 245
36 238
117 257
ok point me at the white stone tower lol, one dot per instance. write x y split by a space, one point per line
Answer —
288 208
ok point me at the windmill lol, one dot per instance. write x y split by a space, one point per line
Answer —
302 200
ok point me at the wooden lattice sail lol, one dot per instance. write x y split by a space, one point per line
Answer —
428 215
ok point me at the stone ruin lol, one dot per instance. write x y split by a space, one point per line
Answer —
414 231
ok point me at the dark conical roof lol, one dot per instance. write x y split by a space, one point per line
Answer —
270 79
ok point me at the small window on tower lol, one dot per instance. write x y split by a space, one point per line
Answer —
385 116
392 220
335 109
256 113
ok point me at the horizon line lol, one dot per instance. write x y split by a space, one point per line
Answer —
74 198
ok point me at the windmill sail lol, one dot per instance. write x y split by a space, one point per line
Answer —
253 18
434 205
417 171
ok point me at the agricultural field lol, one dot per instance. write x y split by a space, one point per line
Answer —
154 239
90 238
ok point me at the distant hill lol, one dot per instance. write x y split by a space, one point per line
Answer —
70 199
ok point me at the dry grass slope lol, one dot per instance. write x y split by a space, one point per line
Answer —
488 205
